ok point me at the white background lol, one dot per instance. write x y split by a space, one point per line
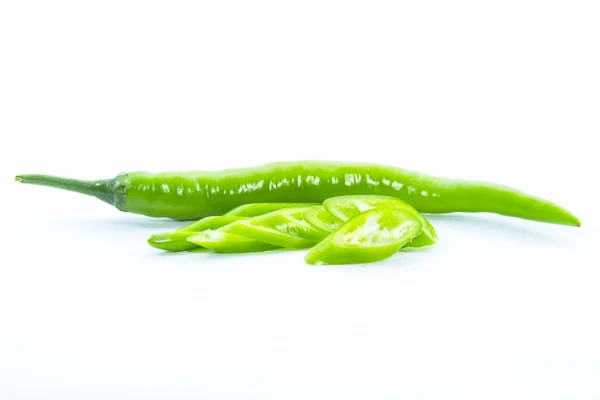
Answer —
503 91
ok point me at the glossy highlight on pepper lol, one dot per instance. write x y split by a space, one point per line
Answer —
197 194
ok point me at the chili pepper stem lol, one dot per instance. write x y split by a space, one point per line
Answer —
107 190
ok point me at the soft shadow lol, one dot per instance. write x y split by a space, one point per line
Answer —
212 254
495 224
158 224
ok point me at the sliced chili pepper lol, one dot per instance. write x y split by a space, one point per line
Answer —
256 209
279 228
347 207
319 217
223 242
177 240
371 236
307 231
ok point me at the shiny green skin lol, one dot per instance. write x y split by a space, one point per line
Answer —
334 250
283 228
347 207
177 240
319 217
194 195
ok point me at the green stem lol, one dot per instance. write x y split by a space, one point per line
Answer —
106 190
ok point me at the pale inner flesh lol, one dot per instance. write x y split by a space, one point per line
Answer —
371 233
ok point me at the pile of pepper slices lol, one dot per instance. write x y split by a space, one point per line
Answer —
343 230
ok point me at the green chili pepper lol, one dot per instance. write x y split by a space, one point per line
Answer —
177 240
256 209
371 236
223 242
193 195
319 217
307 230
347 207
283 228
172 241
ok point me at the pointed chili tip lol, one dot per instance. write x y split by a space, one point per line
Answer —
573 221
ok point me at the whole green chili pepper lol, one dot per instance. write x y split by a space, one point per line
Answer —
193 195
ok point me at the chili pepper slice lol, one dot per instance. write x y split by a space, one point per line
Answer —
372 236
309 231
319 217
347 207
177 240
206 223
229 243
279 228
256 209
172 241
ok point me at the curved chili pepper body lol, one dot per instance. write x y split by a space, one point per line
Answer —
194 195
